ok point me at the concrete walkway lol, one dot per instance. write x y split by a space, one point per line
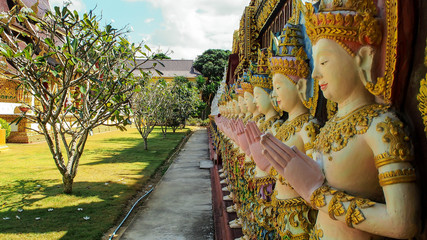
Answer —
180 207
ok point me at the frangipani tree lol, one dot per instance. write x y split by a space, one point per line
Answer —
79 73
185 101
149 105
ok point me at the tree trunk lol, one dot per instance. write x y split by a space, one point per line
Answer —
145 143
164 130
68 183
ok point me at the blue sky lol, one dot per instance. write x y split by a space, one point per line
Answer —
184 28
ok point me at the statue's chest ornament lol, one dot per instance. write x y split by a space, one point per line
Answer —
289 128
257 117
337 132
267 124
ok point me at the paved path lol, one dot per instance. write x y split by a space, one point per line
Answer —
180 207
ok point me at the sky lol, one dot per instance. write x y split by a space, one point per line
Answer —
182 28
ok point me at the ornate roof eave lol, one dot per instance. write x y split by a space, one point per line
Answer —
265 13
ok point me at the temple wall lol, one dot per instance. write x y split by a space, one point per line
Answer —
409 105
411 69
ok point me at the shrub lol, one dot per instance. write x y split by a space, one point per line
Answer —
193 121
197 122
205 122
5 125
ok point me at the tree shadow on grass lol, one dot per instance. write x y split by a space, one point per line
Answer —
22 193
104 208
104 202
159 149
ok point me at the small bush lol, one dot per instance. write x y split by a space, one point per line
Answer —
5 125
205 122
197 122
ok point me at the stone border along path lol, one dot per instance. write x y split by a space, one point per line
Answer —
180 207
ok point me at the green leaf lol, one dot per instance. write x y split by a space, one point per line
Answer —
83 89
57 11
74 44
4 50
147 47
49 42
76 15
55 73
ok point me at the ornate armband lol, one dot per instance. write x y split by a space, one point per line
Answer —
395 137
398 176
353 213
385 158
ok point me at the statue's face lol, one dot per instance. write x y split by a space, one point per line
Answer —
285 92
249 99
242 105
262 100
336 70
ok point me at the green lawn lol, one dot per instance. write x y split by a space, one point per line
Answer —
114 166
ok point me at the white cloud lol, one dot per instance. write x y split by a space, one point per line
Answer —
148 20
75 4
192 26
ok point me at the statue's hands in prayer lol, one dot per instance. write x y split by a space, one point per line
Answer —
241 137
232 130
218 122
253 134
227 128
302 172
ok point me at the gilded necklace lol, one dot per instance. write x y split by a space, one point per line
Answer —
336 133
265 125
247 118
258 117
289 128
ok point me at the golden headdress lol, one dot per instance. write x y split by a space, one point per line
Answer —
238 89
233 92
245 83
225 96
351 23
289 57
260 73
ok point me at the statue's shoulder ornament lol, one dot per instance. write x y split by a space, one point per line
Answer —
390 141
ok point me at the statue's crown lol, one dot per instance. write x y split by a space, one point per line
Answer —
225 96
238 89
259 72
261 66
351 23
288 55
245 83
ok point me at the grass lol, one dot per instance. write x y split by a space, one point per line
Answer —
114 166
